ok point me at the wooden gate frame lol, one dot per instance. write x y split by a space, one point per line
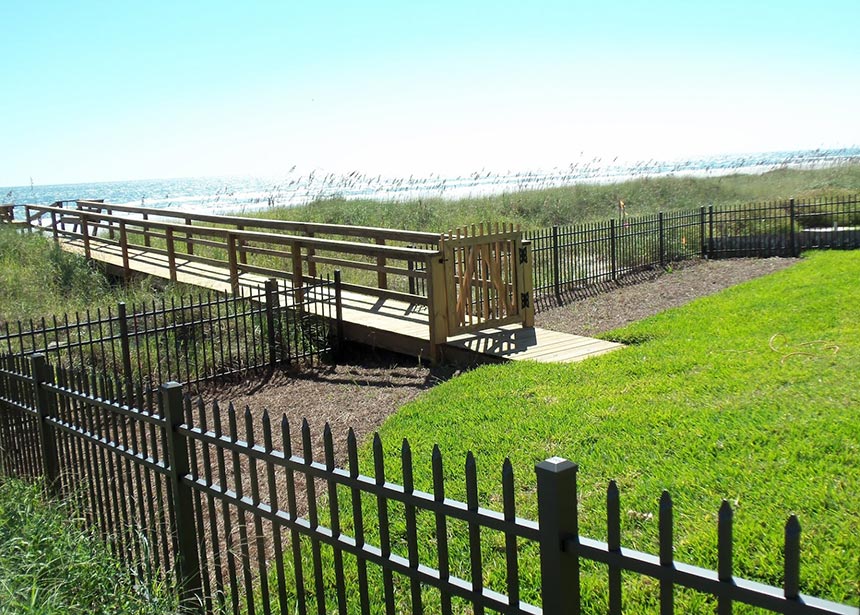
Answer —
488 278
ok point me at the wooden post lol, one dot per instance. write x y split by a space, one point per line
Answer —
110 223
171 253
188 562
240 246
381 276
86 235
41 375
312 265
527 302
54 230
123 246
189 243
559 525
296 258
146 240
234 264
437 303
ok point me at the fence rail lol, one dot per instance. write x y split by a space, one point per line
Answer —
190 340
250 519
569 259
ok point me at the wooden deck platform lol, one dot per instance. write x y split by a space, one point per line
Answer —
384 323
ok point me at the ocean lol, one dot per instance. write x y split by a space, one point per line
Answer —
240 194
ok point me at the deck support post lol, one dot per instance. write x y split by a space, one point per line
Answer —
296 258
233 263
171 253
437 304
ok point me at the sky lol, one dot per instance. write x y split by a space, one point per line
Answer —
104 91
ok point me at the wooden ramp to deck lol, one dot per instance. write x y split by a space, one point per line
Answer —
384 323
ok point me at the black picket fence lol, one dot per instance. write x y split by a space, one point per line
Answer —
194 339
568 260
248 524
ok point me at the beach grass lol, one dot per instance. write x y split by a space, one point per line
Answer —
579 203
39 280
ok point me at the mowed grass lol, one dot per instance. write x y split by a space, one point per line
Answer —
50 565
751 395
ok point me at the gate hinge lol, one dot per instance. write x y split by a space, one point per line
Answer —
524 258
525 300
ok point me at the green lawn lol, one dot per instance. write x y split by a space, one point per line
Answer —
751 395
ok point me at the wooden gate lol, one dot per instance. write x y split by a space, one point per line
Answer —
488 278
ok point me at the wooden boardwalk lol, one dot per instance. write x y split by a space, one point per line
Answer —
380 322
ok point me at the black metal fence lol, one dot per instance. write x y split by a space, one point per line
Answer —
570 259
252 520
192 340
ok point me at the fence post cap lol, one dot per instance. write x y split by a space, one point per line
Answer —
171 385
557 465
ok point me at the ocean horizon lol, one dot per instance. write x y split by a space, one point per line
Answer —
237 194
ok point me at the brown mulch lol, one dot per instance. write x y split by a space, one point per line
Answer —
637 300
369 385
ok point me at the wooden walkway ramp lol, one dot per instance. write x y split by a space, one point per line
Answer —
404 321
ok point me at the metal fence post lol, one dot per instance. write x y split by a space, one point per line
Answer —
41 374
613 250
187 560
792 237
702 245
557 516
662 239
338 309
271 303
556 264
711 231
125 348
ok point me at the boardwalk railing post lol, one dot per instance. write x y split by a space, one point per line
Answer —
527 298
41 374
559 530
437 302
271 305
125 347
187 560
233 263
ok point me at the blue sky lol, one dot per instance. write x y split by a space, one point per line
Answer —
98 91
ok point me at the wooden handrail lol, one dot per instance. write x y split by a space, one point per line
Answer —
337 245
306 228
